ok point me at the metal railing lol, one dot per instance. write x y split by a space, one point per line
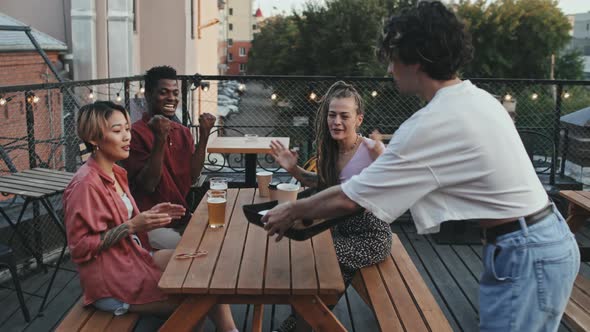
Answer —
38 121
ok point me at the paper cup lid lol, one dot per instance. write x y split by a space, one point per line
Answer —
264 173
288 187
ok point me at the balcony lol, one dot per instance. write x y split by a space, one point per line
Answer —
38 130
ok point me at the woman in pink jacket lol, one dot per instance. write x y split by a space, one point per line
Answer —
107 238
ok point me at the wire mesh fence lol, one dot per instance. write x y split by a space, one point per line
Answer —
38 123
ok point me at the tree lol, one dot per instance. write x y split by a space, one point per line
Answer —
338 39
514 38
569 65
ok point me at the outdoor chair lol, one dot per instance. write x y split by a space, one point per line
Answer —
7 259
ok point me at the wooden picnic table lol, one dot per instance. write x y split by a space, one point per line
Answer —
251 148
578 214
245 266
37 185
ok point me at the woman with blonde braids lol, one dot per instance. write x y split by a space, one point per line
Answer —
362 239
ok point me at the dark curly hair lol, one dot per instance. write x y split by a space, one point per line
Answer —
428 34
154 74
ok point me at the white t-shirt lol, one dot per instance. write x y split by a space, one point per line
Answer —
458 158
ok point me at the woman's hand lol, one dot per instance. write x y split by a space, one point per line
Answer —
285 157
376 148
148 220
175 211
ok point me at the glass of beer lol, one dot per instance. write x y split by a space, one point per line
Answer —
218 184
216 201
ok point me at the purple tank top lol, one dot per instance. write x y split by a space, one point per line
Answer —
357 163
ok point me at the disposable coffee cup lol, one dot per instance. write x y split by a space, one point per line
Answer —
272 188
287 192
263 179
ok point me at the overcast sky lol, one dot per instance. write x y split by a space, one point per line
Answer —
272 7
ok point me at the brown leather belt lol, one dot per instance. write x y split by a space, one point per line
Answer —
489 235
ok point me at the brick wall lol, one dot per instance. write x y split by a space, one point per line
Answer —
234 66
19 68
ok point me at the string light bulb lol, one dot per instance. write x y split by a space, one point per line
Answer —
273 96
534 96
566 95
507 97
91 94
35 99
118 98
204 86
242 87
313 96
374 94
141 89
2 101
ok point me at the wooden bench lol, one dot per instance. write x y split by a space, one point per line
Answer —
398 295
82 318
577 311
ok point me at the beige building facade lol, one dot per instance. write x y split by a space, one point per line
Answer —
119 38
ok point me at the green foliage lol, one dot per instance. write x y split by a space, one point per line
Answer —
336 39
570 65
516 38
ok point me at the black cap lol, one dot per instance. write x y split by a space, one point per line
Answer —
273 185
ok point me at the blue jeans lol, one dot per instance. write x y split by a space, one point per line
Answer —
528 277
110 304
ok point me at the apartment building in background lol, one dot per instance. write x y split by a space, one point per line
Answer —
580 33
118 38
239 25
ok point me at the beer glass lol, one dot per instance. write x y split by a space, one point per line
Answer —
218 184
216 201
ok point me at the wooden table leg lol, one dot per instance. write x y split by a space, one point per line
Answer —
192 310
257 318
315 313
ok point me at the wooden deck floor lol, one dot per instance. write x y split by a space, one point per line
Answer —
450 271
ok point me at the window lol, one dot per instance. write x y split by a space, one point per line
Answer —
242 67
231 11
230 57
134 16
231 27
253 26
242 51
230 42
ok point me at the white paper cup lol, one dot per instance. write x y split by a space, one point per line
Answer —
263 179
287 192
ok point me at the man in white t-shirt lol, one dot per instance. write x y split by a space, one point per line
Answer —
460 158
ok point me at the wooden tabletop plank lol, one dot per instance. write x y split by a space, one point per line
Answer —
48 175
251 277
176 270
12 188
401 296
303 273
26 175
26 193
199 274
430 309
53 171
225 277
32 182
577 197
277 275
241 145
329 276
